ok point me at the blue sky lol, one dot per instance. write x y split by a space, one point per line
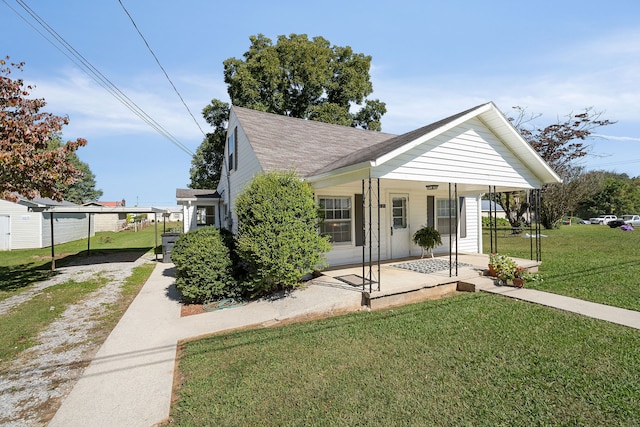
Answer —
431 59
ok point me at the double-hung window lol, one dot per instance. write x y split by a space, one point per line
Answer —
336 214
205 215
446 214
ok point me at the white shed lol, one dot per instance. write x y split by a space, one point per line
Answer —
24 225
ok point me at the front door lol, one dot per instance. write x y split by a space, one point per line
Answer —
5 233
400 235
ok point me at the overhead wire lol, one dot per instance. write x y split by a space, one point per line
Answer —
161 67
95 74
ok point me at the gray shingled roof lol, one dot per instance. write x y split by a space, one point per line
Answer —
312 148
285 143
190 193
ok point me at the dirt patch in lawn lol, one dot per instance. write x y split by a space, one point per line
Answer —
191 309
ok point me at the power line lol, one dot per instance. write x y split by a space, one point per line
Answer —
95 74
621 162
161 67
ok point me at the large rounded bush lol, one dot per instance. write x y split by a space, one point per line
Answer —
278 237
203 266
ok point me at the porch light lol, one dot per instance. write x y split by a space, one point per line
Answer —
431 187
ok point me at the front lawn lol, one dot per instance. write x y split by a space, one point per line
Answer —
474 359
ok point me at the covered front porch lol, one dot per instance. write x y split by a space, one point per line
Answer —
415 279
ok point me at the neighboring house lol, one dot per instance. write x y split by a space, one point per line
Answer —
24 225
490 207
108 221
199 207
171 213
376 189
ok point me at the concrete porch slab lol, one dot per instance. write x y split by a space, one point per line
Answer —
398 286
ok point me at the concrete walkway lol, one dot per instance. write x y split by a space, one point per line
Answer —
130 380
609 313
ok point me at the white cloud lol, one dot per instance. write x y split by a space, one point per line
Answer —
618 138
93 111
601 73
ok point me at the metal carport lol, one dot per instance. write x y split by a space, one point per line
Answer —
98 210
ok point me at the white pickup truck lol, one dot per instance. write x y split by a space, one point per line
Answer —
602 219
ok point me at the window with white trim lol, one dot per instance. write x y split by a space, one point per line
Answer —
336 214
444 211
205 215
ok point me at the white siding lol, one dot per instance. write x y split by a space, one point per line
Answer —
248 167
25 226
67 227
349 253
189 215
466 154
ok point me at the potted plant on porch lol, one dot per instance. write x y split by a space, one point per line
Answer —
506 270
427 238
502 266
522 275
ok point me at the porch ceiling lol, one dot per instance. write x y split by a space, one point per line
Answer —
442 189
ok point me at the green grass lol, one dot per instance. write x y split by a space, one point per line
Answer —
474 359
20 326
590 262
21 268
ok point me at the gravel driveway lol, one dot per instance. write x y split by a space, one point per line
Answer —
33 386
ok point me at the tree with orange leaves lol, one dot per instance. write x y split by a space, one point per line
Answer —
32 161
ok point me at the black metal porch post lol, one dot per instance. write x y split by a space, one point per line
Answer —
53 251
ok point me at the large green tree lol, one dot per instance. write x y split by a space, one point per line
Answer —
207 161
84 190
30 164
296 77
615 194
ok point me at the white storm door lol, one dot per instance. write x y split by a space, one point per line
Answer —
5 233
400 234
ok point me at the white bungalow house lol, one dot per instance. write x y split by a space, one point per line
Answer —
377 189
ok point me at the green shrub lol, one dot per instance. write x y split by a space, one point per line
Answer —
203 266
278 239
501 222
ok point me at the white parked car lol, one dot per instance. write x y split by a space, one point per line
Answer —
602 219
633 220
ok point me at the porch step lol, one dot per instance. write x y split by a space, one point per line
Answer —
476 284
378 300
